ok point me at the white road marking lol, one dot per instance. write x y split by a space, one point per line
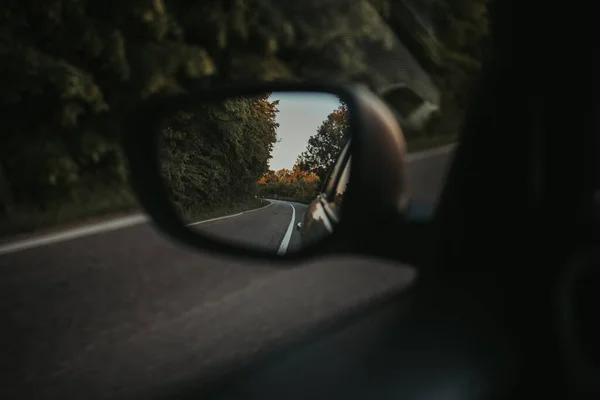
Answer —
214 219
288 235
114 224
229 216
125 222
75 233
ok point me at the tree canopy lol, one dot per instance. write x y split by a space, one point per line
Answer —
70 70
452 50
312 166
212 155
325 146
295 184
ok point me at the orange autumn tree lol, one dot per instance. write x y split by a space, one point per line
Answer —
295 184
302 182
267 108
295 175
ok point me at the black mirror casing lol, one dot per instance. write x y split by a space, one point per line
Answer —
376 190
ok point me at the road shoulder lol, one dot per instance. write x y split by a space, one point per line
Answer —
121 220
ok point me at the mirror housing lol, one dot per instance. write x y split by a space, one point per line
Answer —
377 188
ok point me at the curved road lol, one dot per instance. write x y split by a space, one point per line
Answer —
270 228
115 312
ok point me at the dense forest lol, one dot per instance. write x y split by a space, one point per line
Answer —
70 70
212 155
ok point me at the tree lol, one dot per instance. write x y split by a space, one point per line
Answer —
463 28
452 52
70 69
296 184
213 155
326 145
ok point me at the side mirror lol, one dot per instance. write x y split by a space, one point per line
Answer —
235 170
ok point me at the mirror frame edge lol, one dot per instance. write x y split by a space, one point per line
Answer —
140 150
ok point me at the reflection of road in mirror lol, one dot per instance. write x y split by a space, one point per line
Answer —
220 160
270 227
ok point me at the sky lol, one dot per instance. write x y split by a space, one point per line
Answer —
300 115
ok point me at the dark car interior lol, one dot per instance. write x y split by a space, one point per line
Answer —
504 296
502 288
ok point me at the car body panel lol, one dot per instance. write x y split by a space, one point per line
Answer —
320 219
316 223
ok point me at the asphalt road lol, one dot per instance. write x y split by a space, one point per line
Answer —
120 312
263 228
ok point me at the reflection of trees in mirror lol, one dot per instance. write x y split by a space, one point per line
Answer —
70 166
213 154
325 146
297 185
302 183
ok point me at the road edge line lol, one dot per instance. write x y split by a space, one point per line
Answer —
125 222
87 230
288 234
229 216
115 224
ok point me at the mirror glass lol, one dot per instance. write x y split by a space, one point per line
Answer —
258 170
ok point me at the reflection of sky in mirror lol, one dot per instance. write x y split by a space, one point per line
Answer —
300 115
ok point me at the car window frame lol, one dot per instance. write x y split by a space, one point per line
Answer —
329 198
336 172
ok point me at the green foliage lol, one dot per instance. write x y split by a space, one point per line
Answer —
463 31
302 183
325 146
452 56
212 155
70 69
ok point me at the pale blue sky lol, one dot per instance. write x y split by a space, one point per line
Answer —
300 115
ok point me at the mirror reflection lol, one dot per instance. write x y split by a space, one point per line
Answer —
255 170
